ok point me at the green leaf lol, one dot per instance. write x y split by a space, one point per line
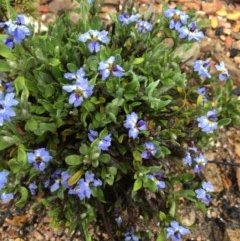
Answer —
172 210
15 165
131 89
3 144
224 121
138 60
161 236
31 125
137 184
54 62
72 67
151 87
5 51
4 67
21 154
98 193
73 160
83 149
20 86
24 196
162 216
137 156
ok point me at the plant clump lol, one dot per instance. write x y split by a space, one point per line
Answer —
99 120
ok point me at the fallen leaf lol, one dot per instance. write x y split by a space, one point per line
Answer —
17 221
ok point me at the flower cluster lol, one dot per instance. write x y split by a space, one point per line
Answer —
175 231
126 19
7 101
134 125
142 25
5 197
83 187
80 88
203 193
39 158
202 67
195 159
16 31
178 21
94 37
104 143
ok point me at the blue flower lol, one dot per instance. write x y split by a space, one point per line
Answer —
156 178
94 37
150 150
82 188
106 68
207 123
5 87
6 111
175 231
16 30
203 193
105 142
6 197
39 158
134 125
127 19
202 67
224 75
3 179
191 32
32 187
92 135
118 220
79 75
201 162
202 92
130 236
79 90
144 26
187 160
177 18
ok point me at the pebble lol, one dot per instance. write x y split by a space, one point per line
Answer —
237 59
227 31
236 45
214 22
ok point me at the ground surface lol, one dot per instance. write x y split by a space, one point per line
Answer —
222 42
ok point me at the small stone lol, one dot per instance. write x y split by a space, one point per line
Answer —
229 41
236 45
237 59
227 31
236 35
223 38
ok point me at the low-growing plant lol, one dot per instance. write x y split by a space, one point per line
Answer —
102 121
